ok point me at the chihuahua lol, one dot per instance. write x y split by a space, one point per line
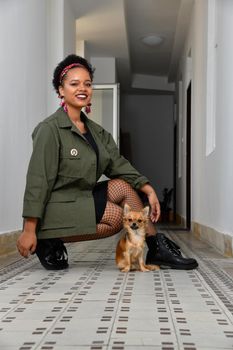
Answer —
130 248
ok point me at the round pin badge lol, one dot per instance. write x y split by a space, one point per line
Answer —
74 152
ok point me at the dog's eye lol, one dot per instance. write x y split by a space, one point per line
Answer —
139 221
130 220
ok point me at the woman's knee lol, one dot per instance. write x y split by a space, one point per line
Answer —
120 183
112 215
119 190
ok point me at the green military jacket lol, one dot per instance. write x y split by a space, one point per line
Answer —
63 172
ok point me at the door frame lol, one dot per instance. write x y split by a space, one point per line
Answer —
188 154
115 88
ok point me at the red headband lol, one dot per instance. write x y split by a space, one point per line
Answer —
67 68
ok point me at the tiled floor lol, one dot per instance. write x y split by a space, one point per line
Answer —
95 306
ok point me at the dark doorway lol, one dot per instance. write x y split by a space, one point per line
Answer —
188 156
174 170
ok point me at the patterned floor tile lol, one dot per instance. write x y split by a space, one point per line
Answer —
92 305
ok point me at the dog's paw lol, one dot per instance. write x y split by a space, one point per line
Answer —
125 269
152 267
143 269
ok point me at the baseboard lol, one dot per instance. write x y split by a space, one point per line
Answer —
219 240
180 220
8 242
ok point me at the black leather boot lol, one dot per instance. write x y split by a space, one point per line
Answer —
52 254
166 253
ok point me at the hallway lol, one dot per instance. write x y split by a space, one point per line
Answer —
94 306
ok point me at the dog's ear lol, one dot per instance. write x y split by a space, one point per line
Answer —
146 211
126 209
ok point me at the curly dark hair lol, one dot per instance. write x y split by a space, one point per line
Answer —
66 62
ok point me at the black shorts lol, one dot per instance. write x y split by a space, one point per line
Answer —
100 199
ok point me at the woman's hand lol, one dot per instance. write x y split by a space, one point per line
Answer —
155 207
27 241
153 201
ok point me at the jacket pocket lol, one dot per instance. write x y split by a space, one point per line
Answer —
70 166
59 213
63 196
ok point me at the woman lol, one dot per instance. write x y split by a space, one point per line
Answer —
63 201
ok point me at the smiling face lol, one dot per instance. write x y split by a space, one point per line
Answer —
76 88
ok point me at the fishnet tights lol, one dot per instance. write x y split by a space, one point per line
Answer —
119 193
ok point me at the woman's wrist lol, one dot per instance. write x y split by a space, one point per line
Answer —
29 226
147 189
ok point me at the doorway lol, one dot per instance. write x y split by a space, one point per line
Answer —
182 163
105 108
188 155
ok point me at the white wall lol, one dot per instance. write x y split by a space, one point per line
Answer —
212 175
105 70
22 98
148 122
69 38
60 42
55 47
32 36
193 67
222 165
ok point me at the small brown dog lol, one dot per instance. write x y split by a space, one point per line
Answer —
130 248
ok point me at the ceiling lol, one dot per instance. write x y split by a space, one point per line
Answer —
114 28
